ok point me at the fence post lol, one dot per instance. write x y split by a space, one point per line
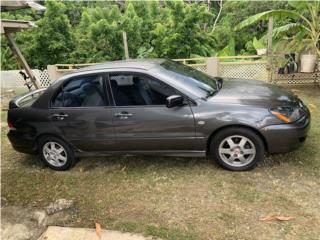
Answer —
125 45
269 50
213 66
52 72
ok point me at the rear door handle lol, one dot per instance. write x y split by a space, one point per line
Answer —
123 115
60 116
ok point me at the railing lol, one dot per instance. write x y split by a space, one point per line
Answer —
192 62
249 67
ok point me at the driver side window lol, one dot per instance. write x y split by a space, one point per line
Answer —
135 89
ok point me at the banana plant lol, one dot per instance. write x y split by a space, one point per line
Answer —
303 33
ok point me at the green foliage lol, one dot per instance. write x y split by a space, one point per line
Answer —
8 61
98 37
131 23
303 32
181 31
265 16
258 44
91 31
53 39
229 50
48 43
234 12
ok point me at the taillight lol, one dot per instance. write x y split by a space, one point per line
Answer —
10 125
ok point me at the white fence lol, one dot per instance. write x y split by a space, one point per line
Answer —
249 67
13 79
250 70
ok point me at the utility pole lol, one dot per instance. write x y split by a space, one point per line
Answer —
269 49
125 44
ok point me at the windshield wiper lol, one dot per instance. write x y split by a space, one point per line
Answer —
212 92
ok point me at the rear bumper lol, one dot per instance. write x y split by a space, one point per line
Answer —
21 142
285 137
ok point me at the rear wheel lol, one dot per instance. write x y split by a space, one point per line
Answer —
237 149
55 153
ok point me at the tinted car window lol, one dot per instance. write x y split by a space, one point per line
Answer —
204 84
134 89
29 99
84 91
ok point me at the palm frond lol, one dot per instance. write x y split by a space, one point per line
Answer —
265 15
298 4
287 29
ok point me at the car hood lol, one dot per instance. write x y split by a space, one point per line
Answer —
253 92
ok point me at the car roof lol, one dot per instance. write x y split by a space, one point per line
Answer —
144 64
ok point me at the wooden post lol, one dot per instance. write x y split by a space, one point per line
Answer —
213 66
53 73
269 49
125 45
22 61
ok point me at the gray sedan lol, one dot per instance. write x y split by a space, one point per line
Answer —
156 107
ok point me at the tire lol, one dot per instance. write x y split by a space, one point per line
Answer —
237 149
55 153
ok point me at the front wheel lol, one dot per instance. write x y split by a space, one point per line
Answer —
55 153
237 149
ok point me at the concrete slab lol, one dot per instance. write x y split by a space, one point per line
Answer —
68 233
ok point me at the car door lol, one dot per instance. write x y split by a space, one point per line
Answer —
81 114
141 119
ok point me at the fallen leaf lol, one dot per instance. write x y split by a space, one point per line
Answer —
274 217
282 218
268 218
98 229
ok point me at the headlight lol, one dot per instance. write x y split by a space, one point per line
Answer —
287 114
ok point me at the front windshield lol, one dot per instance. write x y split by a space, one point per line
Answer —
205 85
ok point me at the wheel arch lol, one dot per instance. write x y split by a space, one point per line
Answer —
236 126
36 141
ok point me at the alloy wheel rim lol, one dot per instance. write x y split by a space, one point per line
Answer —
55 154
237 151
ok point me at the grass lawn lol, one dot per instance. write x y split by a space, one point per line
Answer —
180 198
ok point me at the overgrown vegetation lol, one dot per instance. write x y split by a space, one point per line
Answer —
91 31
301 33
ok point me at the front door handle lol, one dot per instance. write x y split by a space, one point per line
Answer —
60 116
123 115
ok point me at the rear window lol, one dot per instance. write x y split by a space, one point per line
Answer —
29 99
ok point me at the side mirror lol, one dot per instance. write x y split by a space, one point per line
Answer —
174 100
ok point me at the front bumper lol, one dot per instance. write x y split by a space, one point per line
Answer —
21 142
285 137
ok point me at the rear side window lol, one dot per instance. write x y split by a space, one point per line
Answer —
84 91
136 90
29 99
